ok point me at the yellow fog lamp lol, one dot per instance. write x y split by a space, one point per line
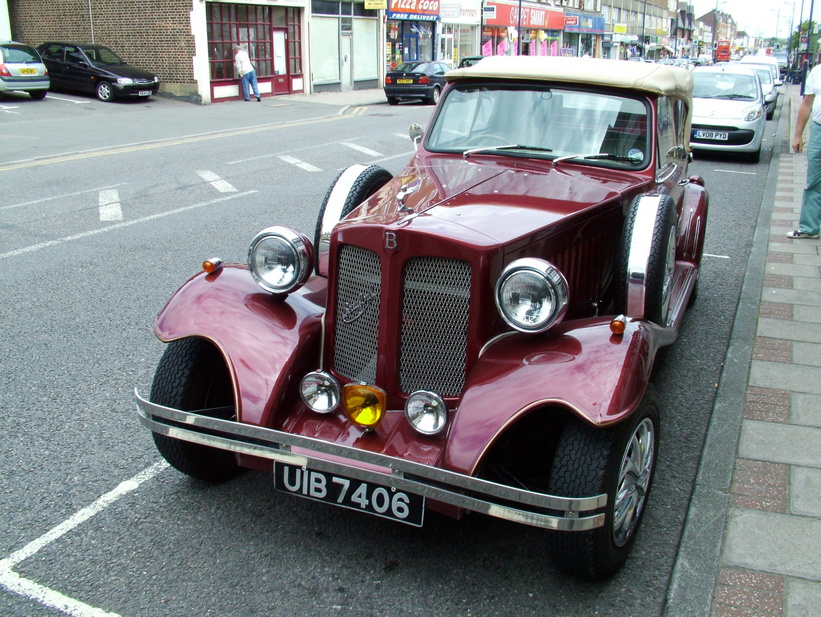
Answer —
364 405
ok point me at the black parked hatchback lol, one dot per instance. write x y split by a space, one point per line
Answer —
95 69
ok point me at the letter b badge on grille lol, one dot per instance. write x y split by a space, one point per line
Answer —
390 240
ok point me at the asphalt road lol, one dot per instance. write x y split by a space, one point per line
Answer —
105 210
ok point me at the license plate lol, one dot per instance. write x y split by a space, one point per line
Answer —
348 493
144 93
28 72
717 135
404 81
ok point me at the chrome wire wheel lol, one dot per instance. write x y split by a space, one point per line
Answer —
635 473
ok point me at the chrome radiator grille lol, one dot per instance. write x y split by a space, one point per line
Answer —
434 325
435 311
357 314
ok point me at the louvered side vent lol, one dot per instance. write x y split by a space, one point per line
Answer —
357 314
434 325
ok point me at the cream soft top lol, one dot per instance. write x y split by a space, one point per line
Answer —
657 79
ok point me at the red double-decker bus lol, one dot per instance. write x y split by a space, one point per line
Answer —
723 51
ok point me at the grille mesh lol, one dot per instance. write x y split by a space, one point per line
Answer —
357 314
434 325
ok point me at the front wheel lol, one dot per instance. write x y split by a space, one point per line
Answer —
192 376
105 92
618 461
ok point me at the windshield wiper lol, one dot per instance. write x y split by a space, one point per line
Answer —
600 155
467 153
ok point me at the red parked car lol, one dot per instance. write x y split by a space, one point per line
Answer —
475 334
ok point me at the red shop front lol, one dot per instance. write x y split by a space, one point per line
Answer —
502 23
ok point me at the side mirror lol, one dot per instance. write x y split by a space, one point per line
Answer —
416 132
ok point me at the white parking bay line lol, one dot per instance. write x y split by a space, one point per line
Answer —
223 186
301 164
362 149
110 209
54 599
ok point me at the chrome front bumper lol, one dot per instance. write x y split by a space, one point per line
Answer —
475 494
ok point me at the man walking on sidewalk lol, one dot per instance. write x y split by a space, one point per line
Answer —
810 219
246 71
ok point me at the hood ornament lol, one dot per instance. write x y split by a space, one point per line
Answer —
409 187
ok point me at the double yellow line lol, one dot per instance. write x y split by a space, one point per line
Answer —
65 158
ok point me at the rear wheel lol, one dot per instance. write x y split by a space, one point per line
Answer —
434 96
618 461
38 95
192 376
393 100
104 91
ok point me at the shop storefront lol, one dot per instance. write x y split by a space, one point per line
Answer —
541 29
345 46
583 34
273 37
458 31
410 31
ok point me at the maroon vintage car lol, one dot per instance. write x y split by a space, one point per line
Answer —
474 334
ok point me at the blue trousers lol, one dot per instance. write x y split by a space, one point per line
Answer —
249 78
811 201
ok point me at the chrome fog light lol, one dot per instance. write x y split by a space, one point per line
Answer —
531 295
426 412
281 259
320 391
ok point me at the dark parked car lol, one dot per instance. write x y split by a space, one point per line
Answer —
95 69
469 61
416 80
477 333
22 70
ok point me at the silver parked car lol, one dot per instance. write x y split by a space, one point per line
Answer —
22 70
768 87
728 110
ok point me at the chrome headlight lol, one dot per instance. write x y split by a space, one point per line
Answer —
280 259
531 295
426 412
752 113
320 391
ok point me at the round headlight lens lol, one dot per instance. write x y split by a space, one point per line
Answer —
531 295
426 412
280 259
320 392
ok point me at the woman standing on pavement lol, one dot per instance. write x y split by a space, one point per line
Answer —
810 219
246 71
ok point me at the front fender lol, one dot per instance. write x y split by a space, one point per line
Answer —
580 365
265 341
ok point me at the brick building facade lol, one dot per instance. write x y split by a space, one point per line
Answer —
155 34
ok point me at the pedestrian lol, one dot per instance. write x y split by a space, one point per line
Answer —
246 71
810 108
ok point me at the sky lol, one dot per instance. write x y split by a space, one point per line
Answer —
759 17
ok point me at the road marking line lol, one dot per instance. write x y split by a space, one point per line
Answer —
9 109
223 186
110 209
59 98
298 163
362 149
54 599
94 232
164 143
52 198
716 256
733 171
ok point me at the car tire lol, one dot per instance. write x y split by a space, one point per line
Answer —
105 92
754 157
369 180
660 262
393 100
192 376
38 95
619 461
434 95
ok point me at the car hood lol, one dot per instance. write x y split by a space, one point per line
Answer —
720 108
124 70
493 203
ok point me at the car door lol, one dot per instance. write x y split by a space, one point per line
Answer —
52 56
78 72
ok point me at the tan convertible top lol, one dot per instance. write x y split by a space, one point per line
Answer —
648 77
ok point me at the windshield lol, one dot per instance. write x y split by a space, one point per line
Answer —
542 122
764 75
731 86
102 55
